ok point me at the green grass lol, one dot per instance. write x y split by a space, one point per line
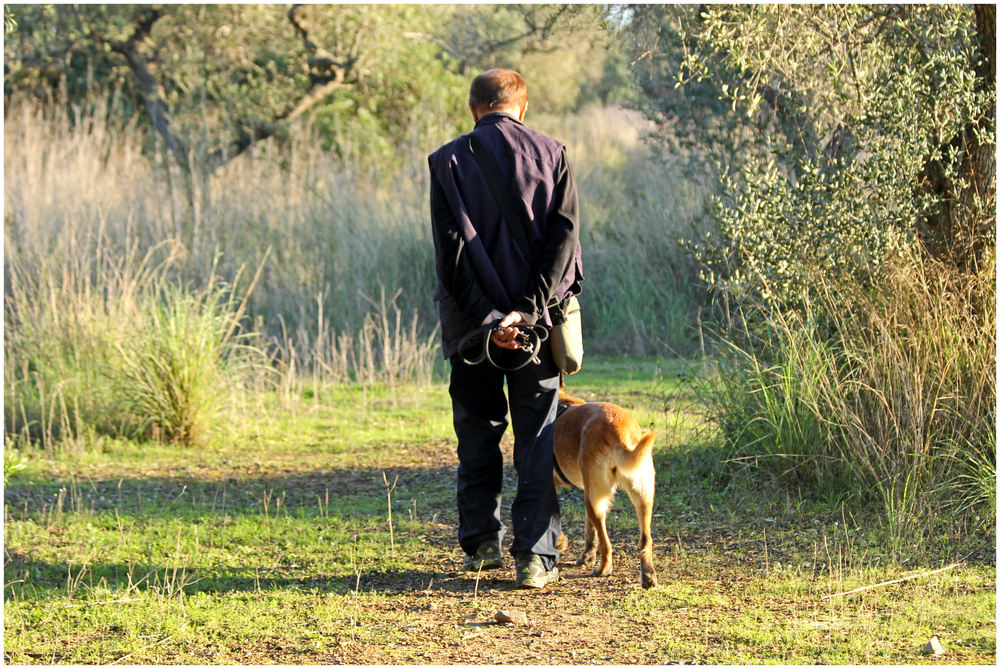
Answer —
272 545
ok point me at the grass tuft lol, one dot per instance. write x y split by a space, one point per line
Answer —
181 364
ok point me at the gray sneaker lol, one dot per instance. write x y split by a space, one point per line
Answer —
531 573
487 556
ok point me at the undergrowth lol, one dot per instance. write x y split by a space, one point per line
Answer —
884 399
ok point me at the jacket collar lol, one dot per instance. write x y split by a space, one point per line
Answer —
497 117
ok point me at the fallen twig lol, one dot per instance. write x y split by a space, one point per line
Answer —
113 601
898 580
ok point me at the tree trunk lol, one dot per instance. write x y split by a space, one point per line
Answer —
149 87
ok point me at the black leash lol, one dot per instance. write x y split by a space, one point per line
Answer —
530 337
560 474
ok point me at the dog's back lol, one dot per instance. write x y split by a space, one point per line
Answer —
600 436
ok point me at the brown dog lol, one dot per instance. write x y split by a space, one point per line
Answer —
600 447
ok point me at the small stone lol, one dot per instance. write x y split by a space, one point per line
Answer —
510 616
932 647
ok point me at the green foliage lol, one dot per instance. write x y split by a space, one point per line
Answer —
9 21
837 193
854 240
409 95
693 123
545 43
50 56
780 233
13 462
227 72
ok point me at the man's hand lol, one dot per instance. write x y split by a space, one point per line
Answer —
504 338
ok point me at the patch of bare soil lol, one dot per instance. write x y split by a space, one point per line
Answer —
567 623
445 616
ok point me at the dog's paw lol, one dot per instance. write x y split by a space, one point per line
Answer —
586 560
601 571
648 579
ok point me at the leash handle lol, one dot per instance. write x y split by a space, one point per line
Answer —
530 337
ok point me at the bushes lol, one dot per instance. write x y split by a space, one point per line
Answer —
882 398
855 251
180 365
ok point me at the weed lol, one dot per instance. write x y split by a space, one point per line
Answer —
388 502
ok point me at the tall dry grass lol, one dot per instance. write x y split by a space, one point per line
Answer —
642 294
120 350
99 225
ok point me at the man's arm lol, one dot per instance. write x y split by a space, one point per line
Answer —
560 244
453 269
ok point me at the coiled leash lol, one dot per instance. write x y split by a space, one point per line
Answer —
530 337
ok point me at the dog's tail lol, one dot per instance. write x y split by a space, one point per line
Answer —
634 456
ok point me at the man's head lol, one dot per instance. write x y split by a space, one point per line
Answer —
498 90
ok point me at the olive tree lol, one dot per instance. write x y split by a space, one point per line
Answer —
846 131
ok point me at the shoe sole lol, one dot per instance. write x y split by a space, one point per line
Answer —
486 566
536 583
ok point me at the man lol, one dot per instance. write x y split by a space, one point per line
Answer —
483 275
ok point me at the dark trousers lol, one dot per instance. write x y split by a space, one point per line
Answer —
480 415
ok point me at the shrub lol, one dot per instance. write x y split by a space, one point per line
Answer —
856 243
884 398
120 352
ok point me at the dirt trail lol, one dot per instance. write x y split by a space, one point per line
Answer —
578 620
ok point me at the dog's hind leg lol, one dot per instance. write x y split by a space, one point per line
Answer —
597 511
642 499
644 510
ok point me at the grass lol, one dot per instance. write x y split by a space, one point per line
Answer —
120 293
344 237
883 397
273 545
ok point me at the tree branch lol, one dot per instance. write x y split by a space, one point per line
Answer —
323 68
149 87
326 74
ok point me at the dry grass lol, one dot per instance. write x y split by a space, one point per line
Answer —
98 224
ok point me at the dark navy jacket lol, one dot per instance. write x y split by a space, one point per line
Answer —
479 264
